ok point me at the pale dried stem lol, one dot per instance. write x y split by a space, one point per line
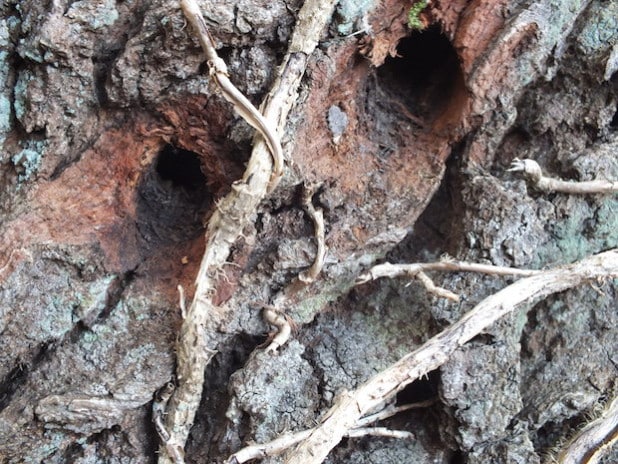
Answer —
390 411
434 289
350 406
533 174
398 270
379 432
233 213
417 270
285 441
242 105
272 448
284 327
182 302
317 216
595 440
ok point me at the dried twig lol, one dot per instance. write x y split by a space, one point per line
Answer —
533 173
233 213
418 270
349 407
182 302
434 289
594 440
285 441
317 216
358 432
390 411
398 270
272 448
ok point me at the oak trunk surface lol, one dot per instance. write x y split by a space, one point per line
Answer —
116 147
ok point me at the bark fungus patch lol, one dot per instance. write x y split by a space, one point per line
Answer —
172 199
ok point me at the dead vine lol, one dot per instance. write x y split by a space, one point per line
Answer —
234 212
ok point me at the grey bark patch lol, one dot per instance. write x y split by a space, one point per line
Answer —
266 391
337 122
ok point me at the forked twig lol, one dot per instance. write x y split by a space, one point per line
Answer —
418 270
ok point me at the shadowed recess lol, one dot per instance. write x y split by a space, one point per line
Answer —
424 75
211 422
423 389
614 122
172 199
180 167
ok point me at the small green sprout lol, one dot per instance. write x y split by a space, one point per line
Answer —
414 20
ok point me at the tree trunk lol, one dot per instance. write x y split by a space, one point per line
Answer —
117 147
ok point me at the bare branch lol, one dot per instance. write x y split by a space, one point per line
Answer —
411 270
349 407
594 440
533 174
272 448
434 289
390 411
242 105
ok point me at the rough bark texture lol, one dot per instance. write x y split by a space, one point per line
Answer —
116 147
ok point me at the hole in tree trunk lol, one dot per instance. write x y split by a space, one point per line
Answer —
181 167
173 199
425 74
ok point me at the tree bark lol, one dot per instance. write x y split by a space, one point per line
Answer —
117 149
